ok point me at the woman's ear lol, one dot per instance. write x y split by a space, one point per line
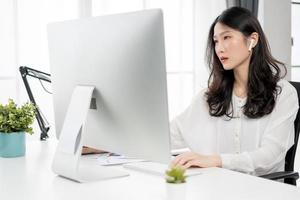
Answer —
253 39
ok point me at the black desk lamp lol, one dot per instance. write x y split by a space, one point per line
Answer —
41 76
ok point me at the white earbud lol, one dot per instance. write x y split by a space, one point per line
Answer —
251 44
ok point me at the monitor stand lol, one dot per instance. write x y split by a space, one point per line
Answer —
66 161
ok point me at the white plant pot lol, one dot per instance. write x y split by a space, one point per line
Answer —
176 191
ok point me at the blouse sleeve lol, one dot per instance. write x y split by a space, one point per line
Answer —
277 138
186 117
177 142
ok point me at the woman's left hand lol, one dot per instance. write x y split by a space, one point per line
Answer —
191 159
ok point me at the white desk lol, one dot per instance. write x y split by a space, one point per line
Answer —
31 178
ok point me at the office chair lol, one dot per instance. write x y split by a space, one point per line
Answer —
289 176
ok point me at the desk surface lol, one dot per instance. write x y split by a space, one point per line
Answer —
31 178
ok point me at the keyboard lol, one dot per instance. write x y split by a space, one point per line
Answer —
158 169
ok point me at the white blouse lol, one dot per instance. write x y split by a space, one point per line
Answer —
253 146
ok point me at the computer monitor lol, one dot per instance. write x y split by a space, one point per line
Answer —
121 58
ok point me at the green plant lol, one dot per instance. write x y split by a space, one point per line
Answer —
175 175
16 119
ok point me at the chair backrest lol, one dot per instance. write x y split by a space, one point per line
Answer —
290 155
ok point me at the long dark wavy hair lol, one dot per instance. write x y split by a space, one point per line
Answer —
264 71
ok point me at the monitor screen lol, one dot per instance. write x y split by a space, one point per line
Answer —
123 57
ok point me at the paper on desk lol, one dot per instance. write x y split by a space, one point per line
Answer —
106 160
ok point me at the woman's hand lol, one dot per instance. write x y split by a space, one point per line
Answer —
89 150
191 159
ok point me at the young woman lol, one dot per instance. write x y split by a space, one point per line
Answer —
244 120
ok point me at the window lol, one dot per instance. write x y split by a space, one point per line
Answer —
295 71
8 84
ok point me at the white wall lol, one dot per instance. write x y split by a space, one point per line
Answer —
275 18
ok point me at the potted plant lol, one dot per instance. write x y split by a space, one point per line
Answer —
14 122
176 183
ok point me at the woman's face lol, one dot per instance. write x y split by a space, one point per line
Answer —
231 46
